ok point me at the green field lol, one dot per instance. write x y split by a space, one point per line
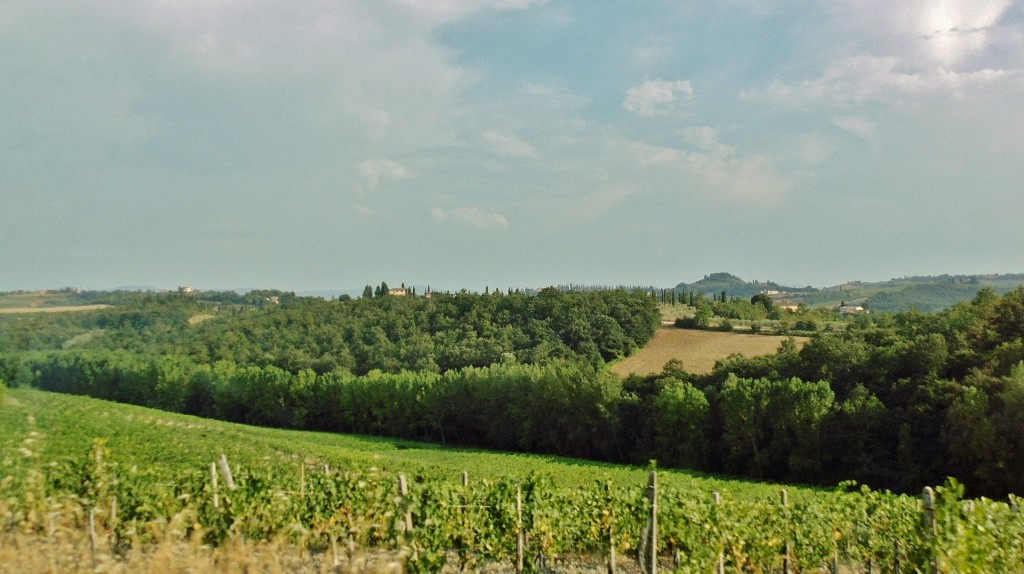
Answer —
67 425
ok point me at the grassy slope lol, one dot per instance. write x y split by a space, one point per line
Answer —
65 426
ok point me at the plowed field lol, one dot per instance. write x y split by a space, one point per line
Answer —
698 350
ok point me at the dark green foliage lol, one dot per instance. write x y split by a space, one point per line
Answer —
764 301
383 333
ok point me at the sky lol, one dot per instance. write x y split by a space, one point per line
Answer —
330 144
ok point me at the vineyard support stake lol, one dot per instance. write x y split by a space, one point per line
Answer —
113 522
403 491
928 519
519 528
612 559
720 568
785 548
92 532
896 557
225 469
653 538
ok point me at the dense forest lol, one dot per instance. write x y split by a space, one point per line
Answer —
891 400
389 334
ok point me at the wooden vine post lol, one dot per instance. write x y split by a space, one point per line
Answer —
225 469
612 558
403 491
785 547
928 519
520 542
720 567
113 521
896 557
93 538
652 539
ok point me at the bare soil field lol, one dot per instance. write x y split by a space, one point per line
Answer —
698 350
60 309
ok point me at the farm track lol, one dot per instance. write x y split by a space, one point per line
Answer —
697 350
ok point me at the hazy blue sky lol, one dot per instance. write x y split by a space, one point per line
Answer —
462 143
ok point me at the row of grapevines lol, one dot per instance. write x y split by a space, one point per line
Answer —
481 522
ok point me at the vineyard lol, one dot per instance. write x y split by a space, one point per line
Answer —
108 471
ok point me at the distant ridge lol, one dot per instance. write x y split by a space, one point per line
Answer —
924 293
736 287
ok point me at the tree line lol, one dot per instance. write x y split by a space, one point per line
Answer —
389 334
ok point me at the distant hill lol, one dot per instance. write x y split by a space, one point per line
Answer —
924 293
736 287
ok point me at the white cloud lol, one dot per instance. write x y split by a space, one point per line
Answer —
857 125
581 205
656 97
376 170
654 51
925 33
717 171
472 217
868 78
880 51
453 10
509 145
553 95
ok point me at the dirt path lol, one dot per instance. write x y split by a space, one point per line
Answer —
698 350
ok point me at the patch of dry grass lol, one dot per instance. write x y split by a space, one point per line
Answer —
62 542
65 547
60 309
698 350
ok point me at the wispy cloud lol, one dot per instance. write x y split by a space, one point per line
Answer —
925 33
376 170
917 48
508 145
868 78
857 125
656 97
718 171
448 10
472 217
